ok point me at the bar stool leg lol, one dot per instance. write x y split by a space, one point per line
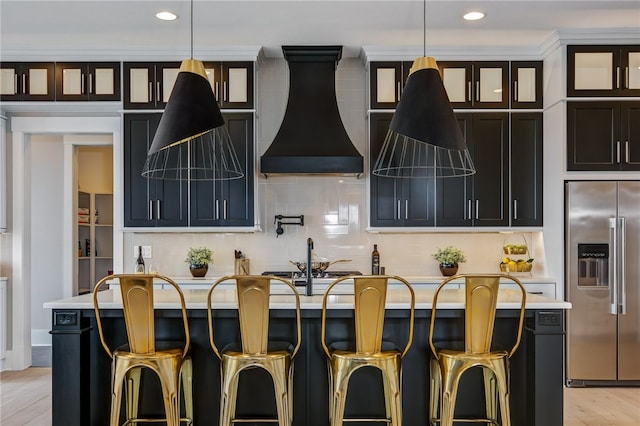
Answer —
501 369
277 372
450 380
490 396
341 384
391 379
132 389
116 396
170 384
186 376
230 377
435 390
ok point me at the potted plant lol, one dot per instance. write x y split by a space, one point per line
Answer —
449 258
199 260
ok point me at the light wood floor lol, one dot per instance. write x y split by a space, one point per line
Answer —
25 399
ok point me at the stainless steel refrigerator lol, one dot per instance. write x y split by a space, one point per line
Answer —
603 282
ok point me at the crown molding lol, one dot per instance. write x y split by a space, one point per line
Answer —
476 53
213 53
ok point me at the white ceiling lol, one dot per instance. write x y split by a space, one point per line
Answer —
30 26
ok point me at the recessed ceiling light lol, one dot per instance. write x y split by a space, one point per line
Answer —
473 16
166 16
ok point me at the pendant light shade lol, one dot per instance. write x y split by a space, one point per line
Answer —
192 141
424 139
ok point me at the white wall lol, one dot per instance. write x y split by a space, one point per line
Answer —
47 239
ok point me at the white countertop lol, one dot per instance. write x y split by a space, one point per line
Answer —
225 298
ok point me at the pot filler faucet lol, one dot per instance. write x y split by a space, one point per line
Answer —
308 287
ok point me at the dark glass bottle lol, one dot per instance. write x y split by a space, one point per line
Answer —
140 262
375 261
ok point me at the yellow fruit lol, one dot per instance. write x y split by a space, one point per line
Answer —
506 260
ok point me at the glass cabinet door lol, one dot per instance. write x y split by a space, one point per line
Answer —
526 84
603 71
386 84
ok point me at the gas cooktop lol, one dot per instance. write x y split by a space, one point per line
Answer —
298 274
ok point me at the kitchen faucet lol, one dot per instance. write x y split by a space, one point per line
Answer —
308 288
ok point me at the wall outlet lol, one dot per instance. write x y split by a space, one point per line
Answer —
146 251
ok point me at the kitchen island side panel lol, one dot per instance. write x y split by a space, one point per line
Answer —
365 397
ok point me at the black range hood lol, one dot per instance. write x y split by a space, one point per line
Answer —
312 138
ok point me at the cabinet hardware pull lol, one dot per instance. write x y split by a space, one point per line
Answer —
224 92
217 210
515 91
158 92
623 265
477 209
15 84
90 83
469 91
468 209
398 92
224 209
158 213
626 152
150 92
398 212
617 77
216 91
477 91
406 209
626 78
24 83
515 209
150 215
82 83
618 152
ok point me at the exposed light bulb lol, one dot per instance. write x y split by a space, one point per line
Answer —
473 16
166 16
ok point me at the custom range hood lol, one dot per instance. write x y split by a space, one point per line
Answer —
312 139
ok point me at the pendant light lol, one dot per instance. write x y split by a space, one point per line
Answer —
424 139
192 142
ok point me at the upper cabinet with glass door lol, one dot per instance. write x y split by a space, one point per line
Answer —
476 84
232 83
27 81
603 71
148 85
526 84
81 81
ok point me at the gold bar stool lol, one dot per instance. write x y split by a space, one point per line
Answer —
451 360
368 350
169 360
255 349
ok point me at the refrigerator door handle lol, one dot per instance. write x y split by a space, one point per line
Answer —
613 269
623 266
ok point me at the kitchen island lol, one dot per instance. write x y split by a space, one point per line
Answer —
81 369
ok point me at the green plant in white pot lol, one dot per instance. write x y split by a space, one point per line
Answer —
449 258
199 260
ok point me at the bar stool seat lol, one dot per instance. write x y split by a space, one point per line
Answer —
451 360
255 350
169 360
368 349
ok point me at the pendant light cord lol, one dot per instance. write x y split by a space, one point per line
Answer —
424 27
191 29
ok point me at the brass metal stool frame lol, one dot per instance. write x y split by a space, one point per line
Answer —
256 350
370 294
447 365
172 364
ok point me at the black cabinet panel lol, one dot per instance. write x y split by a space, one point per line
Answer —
480 199
149 202
228 203
526 169
397 201
94 81
603 136
27 81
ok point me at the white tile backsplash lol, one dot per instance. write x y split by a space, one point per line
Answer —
334 208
